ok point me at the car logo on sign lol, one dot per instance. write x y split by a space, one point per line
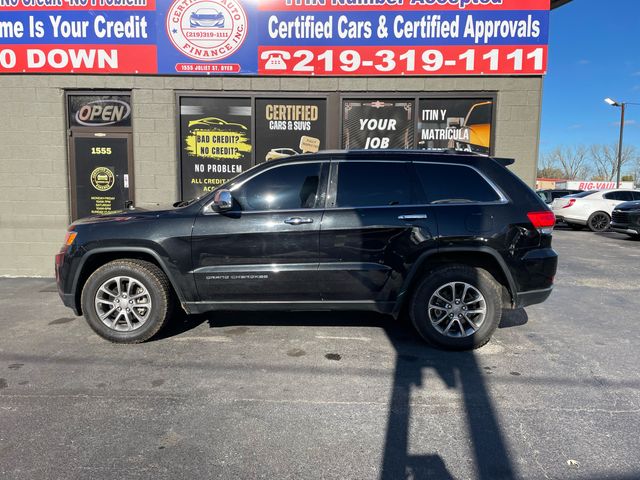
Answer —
207 30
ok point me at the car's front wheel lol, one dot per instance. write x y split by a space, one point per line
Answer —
457 307
127 301
599 222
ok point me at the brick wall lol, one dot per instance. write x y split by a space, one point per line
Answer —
34 197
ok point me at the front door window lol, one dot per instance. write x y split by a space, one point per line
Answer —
290 187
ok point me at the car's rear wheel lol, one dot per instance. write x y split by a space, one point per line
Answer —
634 236
127 301
599 222
457 307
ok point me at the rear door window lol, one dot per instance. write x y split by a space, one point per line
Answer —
445 183
374 184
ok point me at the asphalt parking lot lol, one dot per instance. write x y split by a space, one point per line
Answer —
555 394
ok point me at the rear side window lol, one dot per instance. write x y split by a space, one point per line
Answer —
373 184
623 196
636 195
454 184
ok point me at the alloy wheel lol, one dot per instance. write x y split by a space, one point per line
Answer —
123 304
599 222
457 309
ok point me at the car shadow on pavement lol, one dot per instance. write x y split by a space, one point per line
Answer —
459 371
180 323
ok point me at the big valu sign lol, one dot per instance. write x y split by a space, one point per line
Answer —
275 37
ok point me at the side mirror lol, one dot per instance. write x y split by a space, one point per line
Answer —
222 200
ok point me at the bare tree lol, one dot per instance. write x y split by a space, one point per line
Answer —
605 159
573 162
548 168
635 170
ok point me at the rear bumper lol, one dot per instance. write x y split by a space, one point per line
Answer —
536 271
524 299
565 219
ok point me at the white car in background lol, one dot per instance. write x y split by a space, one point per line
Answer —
591 209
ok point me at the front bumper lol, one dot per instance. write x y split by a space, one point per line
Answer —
69 300
619 228
62 272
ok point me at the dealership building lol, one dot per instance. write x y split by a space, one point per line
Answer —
107 104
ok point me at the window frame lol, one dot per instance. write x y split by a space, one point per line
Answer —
334 180
334 110
502 198
605 196
332 188
322 190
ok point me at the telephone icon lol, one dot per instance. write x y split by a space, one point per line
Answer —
275 59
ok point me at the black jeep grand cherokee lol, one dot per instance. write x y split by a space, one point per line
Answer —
449 238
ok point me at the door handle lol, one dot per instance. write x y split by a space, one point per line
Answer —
298 220
421 216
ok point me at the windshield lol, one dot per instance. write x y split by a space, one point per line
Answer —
479 114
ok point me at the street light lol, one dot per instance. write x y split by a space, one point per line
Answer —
622 106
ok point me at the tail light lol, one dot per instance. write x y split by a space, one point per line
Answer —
543 221
571 202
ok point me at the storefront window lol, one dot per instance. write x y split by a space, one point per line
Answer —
286 127
216 142
456 123
378 124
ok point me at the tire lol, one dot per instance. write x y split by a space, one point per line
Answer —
426 308
575 226
599 222
120 284
634 236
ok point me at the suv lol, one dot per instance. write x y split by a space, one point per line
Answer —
450 239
